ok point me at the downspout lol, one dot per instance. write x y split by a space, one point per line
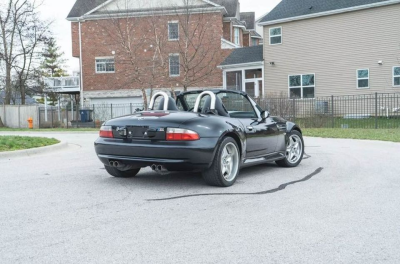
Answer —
80 61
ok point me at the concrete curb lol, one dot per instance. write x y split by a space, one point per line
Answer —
33 151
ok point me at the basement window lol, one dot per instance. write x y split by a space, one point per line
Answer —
105 65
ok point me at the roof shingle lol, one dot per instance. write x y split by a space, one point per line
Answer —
249 18
295 8
244 55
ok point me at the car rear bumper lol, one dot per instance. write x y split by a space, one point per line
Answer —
174 156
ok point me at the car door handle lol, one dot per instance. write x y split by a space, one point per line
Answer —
250 128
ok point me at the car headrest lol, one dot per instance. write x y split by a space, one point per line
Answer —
219 107
171 104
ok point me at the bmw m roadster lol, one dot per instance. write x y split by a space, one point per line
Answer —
216 132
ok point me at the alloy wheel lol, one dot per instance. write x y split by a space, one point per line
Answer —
229 162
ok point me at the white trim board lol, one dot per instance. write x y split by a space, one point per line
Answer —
144 14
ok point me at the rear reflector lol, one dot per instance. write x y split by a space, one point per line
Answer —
178 134
106 132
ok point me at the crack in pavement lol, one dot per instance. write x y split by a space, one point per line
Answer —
280 188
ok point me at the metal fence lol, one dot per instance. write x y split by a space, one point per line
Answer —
86 116
358 111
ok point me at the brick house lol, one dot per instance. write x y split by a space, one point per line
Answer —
120 66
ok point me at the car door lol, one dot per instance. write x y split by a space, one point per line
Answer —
261 134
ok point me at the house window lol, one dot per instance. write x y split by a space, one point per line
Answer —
363 79
236 36
302 86
174 66
105 65
254 42
275 36
173 31
396 76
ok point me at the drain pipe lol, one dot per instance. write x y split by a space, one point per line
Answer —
80 62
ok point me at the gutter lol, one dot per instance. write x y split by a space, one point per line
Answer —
241 65
328 13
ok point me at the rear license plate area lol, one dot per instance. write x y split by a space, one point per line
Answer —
145 132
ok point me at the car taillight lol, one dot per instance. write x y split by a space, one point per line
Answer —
178 134
106 132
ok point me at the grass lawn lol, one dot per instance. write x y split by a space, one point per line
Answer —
11 143
370 134
6 129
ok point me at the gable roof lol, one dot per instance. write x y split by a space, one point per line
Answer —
294 8
82 7
244 55
249 18
231 6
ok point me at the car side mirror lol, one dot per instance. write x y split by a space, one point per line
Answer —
265 115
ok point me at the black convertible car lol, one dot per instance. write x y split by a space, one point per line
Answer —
216 132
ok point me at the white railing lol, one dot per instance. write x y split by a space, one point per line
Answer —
62 84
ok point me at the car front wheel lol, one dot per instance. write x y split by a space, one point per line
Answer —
294 150
121 174
225 167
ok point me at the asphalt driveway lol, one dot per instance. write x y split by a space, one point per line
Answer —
342 205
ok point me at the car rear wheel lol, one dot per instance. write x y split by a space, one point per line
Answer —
294 150
225 167
121 174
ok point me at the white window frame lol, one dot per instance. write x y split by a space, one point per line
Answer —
103 58
270 37
244 80
236 30
301 85
179 64
358 79
395 76
169 23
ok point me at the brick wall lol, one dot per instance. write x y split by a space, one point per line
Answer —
75 39
227 28
100 40
246 42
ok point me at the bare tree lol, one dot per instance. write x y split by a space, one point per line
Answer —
198 46
141 42
22 33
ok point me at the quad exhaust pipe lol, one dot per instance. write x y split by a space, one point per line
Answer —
159 169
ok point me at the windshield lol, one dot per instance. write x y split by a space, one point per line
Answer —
236 104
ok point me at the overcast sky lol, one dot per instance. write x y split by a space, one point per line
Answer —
58 10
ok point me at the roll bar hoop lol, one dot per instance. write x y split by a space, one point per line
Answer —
154 98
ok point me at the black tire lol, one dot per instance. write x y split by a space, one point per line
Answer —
121 174
286 161
214 175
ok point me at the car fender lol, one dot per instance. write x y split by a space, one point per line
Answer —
290 126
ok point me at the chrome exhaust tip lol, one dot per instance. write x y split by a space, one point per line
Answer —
159 168
154 167
116 164
112 163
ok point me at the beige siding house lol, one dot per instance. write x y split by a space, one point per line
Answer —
315 48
